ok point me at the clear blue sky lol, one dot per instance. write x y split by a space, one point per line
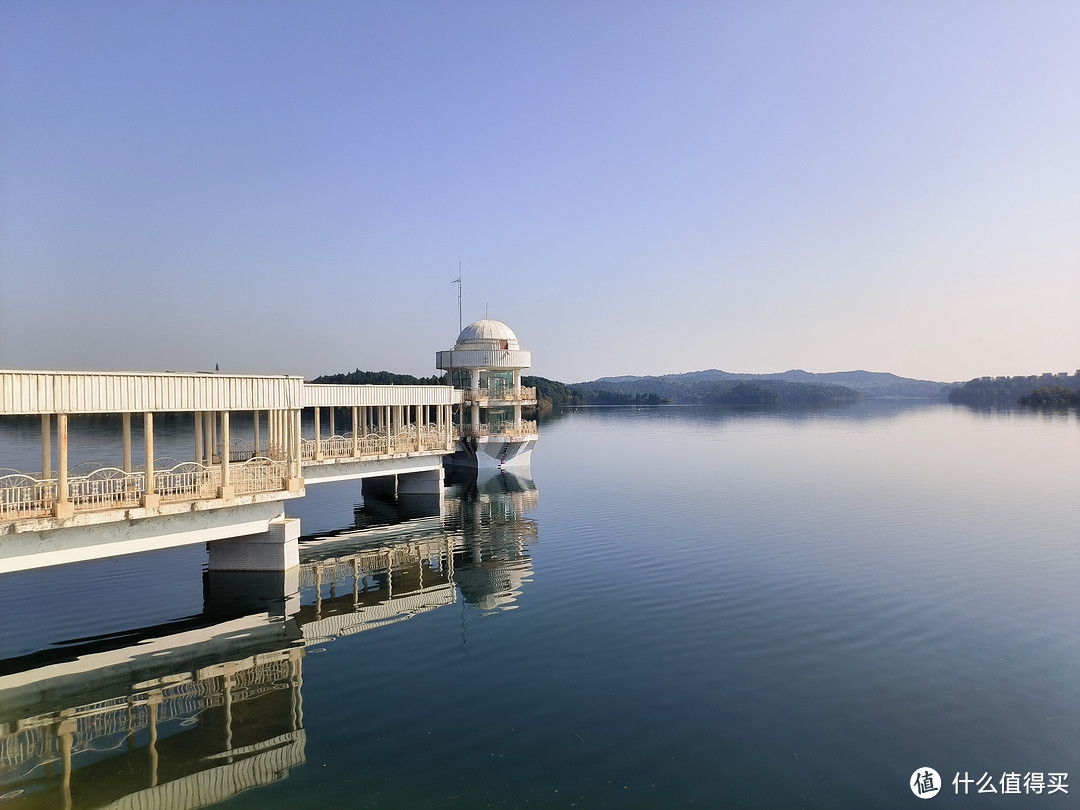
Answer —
634 187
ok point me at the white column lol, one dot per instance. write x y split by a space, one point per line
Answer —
255 449
224 449
332 432
294 463
150 499
198 436
46 446
208 437
214 434
517 418
355 432
127 442
517 382
64 508
318 436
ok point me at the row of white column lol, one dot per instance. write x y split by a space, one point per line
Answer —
63 506
283 428
384 418
212 431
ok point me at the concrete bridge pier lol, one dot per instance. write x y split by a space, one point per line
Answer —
420 494
276 549
240 593
381 488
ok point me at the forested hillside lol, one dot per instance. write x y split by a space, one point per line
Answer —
1009 390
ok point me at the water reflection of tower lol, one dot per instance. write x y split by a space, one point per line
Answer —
485 514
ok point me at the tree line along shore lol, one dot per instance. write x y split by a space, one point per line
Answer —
714 387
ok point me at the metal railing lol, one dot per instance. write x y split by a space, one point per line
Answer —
188 481
407 440
106 488
22 495
25 496
508 428
500 394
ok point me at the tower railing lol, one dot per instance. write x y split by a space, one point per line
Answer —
508 428
500 394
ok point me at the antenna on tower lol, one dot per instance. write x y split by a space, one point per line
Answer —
458 282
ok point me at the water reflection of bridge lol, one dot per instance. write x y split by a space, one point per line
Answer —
191 713
158 724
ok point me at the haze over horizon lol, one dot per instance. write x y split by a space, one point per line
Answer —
636 188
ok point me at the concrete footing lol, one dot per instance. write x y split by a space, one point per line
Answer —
239 593
276 549
428 482
382 488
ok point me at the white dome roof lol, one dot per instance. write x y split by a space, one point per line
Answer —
487 334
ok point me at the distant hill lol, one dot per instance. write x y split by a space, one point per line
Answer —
676 386
699 392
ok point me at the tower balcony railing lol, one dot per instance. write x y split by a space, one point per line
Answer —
526 427
492 394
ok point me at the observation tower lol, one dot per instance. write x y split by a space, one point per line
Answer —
485 365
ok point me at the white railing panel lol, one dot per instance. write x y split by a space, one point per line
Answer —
106 488
22 496
189 481
259 474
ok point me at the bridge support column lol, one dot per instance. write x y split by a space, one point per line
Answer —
225 491
126 419
150 499
46 446
198 436
420 494
427 482
294 462
64 508
318 435
208 440
355 433
276 549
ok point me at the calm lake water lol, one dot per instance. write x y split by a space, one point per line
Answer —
675 607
